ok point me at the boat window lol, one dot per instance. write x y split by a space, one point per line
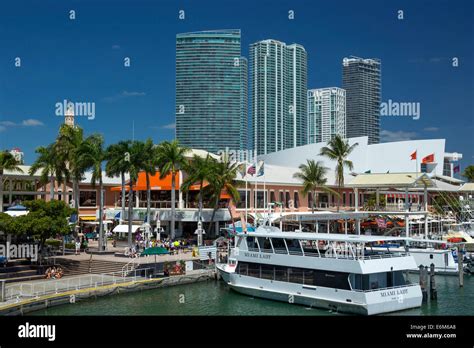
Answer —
377 280
267 271
308 276
251 244
265 246
242 268
337 280
310 247
293 245
254 270
279 245
281 273
295 275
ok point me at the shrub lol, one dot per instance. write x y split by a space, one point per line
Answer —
55 243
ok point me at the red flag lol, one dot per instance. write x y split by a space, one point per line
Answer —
456 169
413 156
428 159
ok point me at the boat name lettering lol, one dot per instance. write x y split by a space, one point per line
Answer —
257 255
394 292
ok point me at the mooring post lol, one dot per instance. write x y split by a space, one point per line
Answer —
460 267
433 291
423 283
2 290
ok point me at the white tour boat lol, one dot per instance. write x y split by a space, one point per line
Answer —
331 271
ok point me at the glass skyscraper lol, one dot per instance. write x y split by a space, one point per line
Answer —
361 78
326 113
211 91
278 74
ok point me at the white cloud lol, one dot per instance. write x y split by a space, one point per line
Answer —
431 129
169 126
2 128
122 95
7 123
31 122
388 136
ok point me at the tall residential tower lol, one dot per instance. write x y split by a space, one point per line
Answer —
326 114
211 91
278 94
361 78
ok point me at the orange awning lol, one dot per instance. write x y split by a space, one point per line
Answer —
156 183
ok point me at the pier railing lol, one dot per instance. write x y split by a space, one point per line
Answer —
55 286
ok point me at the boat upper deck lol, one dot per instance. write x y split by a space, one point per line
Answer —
274 232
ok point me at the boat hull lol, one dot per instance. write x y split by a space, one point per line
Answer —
346 301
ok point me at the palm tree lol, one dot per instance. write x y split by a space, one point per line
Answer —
91 155
338 149
469 173
7 162
171 157
67 145
149 165
117 156
222 179
198 170
134 164
313 176
47 161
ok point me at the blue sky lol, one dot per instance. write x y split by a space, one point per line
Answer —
82 60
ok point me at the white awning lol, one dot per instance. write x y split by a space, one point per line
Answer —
15 213
124 228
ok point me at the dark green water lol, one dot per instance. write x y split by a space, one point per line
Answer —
215 298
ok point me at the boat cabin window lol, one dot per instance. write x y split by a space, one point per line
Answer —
252 244
265 246
279 245
335 280
377 280
293 245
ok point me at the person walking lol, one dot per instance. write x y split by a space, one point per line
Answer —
78 247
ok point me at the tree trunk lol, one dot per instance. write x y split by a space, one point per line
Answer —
51 188
214 211
130 213
76 194
313 201
65 195
122 214
173 203
101 217
148 198
339 199
200 202
1 192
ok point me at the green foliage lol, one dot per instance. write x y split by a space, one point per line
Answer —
370 204
45 220
55 243
469 173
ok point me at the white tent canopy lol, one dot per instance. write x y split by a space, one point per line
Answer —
15 213
124 228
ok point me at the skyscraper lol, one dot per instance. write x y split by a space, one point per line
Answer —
278 73
326 114
211 91
361 78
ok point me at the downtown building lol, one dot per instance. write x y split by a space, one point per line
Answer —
361 78
211 91
278 94
326 114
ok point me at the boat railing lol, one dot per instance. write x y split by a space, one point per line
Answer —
343 256
387 288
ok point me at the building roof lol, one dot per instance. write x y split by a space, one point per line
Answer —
467 187
398 180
